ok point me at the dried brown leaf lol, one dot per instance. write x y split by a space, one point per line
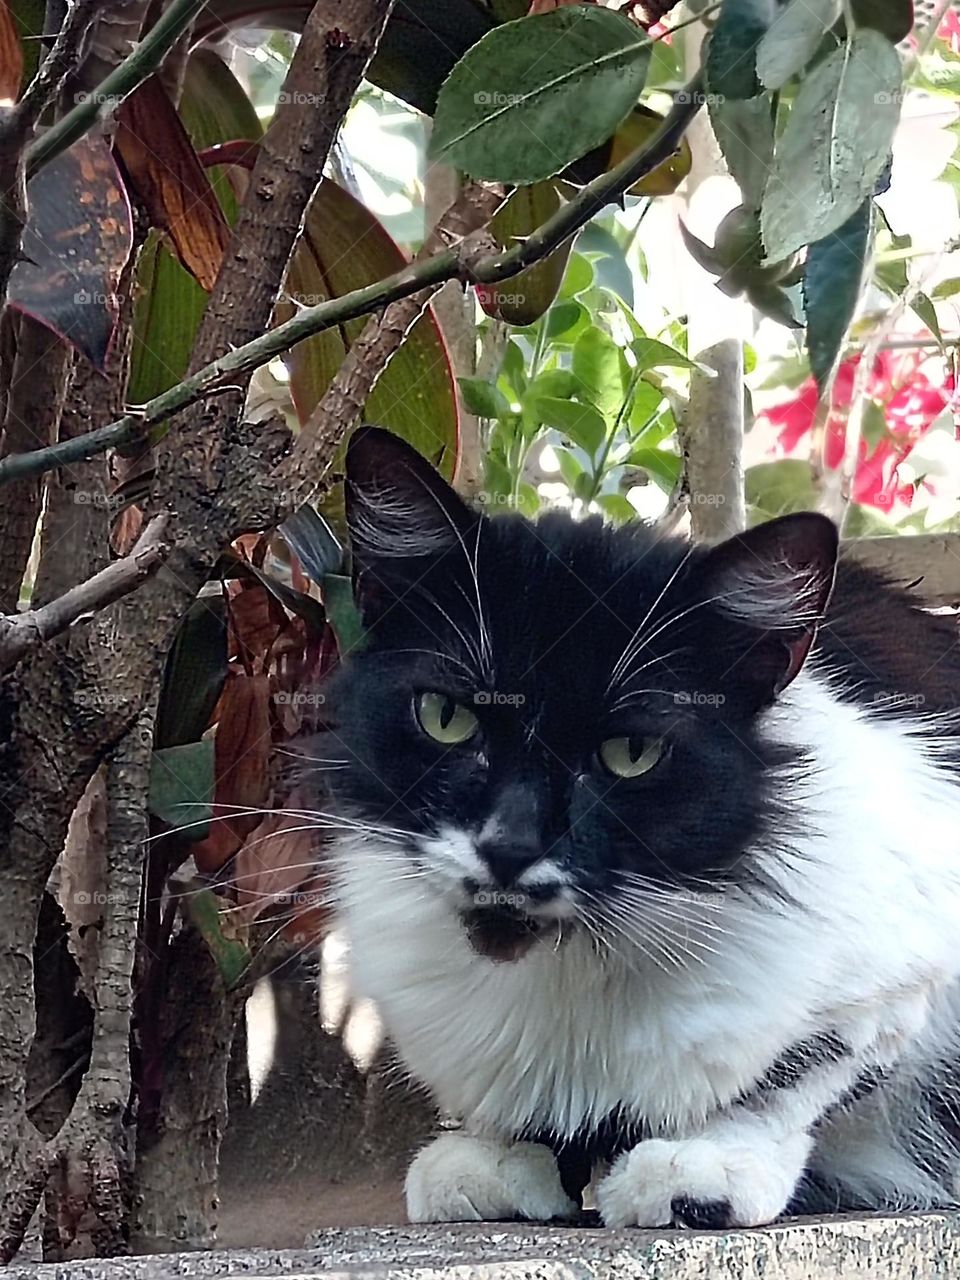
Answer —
170 180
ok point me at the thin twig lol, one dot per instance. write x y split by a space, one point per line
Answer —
460 262
21 632
142 62
63 57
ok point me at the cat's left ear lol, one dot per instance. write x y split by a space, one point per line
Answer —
774 581
398 506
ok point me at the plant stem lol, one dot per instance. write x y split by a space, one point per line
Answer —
461 263
142 62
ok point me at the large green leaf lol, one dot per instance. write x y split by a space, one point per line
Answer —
344 247
524 298
835 146
732 54
745 133
182 787
169 302
793 39
536 94
831 289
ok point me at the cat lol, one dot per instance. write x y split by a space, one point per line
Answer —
649 853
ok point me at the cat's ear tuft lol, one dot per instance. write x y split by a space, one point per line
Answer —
398 506
776 580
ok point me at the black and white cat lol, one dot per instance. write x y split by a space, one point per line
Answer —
650 858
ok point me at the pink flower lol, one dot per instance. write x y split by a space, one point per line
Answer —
910 403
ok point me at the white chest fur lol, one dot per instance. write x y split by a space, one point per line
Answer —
563 1037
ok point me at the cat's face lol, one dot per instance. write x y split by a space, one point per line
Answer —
553 719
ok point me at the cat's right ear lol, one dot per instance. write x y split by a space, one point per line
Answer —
401 513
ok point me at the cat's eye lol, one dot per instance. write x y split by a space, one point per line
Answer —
444 719
630 757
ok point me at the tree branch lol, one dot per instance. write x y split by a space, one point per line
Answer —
142 62
21 632
63 57
459 263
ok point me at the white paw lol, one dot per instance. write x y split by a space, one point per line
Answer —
459 1178
733 1179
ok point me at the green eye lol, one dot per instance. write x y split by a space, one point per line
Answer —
630 757
444 719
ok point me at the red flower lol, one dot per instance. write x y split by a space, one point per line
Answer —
949 29
909 401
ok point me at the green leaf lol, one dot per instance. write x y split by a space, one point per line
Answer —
566 321
581 423
793 39
524 298
232 956
598 364
732 53
514 367
570 467
647 400
831 288
835 146
182 787
554 382
483 398
652 354
745 134
344 247
874 428
946 288
780 488
195 670
342 612
660 464
533 95
893 18
616 506
578 277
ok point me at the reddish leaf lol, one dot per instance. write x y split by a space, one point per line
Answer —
11 55
274 874
170 180
256 620
241 763
78 237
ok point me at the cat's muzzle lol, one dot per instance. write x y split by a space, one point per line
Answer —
504 932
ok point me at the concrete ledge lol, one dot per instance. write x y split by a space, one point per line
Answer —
920 1247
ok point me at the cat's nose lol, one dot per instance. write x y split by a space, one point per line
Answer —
507 860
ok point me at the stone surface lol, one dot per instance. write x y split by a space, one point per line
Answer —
921 1247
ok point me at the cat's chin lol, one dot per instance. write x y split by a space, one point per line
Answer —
505 935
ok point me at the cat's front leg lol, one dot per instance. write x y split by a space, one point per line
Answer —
742 1167
464 1178
736 1176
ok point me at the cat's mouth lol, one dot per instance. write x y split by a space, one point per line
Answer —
504 934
